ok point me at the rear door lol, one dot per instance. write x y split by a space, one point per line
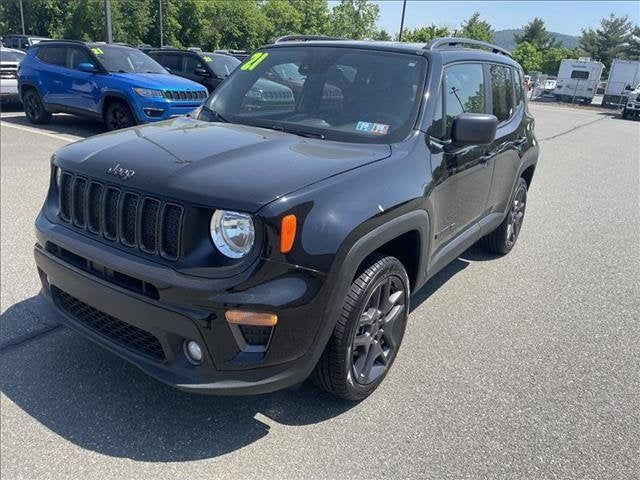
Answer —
52 73
507 104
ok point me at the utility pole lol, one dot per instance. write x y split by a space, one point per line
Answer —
22 18
107 20
161 22
404 6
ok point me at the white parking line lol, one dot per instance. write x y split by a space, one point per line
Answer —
40 132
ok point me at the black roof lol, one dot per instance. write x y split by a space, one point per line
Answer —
448 53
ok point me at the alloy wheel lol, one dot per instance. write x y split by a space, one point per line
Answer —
379 331
516 215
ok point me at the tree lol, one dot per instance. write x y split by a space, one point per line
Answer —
552 57
535 32
283 18
41 17
131 20
424 34
237 24
354 19
381 35
528 55
476 29
314 16
613 39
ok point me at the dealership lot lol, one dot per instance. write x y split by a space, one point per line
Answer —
525 366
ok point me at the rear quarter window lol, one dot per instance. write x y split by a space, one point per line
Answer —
502 91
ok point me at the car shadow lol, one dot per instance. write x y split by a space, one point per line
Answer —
60 124
102 403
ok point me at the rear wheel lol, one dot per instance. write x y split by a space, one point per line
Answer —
118 115
503 238
625 113
34 109
368 333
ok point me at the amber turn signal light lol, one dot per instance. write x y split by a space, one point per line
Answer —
241 317
288 233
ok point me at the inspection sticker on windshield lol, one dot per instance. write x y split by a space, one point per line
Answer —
374 128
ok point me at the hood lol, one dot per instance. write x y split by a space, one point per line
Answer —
157 81
219 165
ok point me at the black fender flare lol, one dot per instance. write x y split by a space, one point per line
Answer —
121 96
28 84
350 258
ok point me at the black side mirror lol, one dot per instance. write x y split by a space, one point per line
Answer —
628 87
474 129
202 72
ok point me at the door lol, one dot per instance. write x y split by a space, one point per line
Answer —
507 104
82 90
53 74
172 61
462 174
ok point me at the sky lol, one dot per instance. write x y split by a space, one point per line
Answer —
568 17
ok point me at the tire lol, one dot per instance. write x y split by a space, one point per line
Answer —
503 238
34 109
625 113
118 115
363 347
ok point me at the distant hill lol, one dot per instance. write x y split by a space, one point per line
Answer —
504 39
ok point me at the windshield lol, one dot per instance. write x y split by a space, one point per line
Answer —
343 94
9 56
222 65
125 60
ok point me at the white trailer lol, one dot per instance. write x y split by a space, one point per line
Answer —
623 74
577 80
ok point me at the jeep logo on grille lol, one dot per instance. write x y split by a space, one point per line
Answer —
120 172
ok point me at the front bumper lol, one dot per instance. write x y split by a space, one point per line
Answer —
158 109
633 106
187 308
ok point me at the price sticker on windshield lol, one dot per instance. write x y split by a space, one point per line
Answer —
255 60
207 59
97 51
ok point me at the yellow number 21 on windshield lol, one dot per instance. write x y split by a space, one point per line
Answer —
255 60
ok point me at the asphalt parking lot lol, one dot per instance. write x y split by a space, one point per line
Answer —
522 367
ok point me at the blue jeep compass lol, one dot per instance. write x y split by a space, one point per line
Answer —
117 84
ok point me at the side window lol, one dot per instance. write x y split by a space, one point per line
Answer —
77 56
173 62
15 43
464 91
518 85
191 62
53 55
502 91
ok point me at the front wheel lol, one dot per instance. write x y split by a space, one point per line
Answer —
118 115
368 333
503 238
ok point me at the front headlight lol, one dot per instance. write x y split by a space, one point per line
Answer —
233 233
148 92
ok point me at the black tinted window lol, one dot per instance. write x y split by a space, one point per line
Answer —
53 55
173 62
580 74
191 63
518 85
464 91
502 91
222 65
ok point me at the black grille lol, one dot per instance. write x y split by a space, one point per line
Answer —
113 328
185 94
122 216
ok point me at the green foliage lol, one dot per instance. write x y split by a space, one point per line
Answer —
615 38
354 19
424 34
381 35
552 57
283 18
535 32
314 16
528 56
476 29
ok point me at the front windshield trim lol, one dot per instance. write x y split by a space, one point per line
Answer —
333 132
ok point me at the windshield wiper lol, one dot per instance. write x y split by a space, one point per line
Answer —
300 133
215 114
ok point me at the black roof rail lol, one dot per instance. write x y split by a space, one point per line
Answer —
63 40
305 38
439 43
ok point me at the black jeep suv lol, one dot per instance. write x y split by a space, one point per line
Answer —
242 250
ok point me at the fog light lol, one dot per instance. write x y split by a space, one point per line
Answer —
193 352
